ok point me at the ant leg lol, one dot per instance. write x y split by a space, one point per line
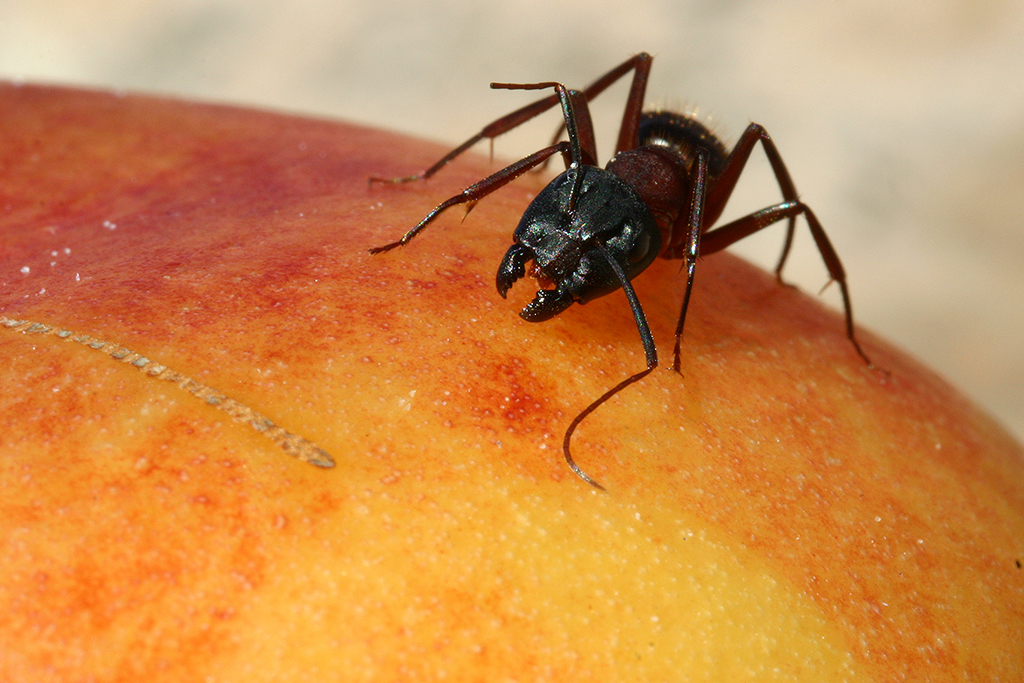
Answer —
693 248
475 192
578 124
629 130
726 235
650 351
423 175
640 64
575 115
725 183
505 124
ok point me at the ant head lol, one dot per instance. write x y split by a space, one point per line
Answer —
571 239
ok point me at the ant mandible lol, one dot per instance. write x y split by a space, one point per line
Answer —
592 230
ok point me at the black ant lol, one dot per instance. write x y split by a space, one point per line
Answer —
592 230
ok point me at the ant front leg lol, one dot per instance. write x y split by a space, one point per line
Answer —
578 150
640 65
488 132
477 191
577 122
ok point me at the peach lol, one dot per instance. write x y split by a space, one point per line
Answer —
191 322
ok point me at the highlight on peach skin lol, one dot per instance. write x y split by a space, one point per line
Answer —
236 446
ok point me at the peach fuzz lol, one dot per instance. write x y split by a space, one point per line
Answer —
176 278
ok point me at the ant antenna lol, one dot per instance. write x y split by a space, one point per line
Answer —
650 351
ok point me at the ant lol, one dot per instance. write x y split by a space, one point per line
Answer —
592 230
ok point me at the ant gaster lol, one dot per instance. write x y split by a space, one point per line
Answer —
592 230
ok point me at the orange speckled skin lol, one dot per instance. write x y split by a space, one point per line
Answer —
780 512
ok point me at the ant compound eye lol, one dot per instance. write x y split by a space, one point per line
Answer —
640 248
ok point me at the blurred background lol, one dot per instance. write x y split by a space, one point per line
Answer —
901 121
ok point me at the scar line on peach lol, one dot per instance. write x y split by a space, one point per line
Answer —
292 444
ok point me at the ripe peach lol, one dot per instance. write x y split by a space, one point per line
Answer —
188 301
